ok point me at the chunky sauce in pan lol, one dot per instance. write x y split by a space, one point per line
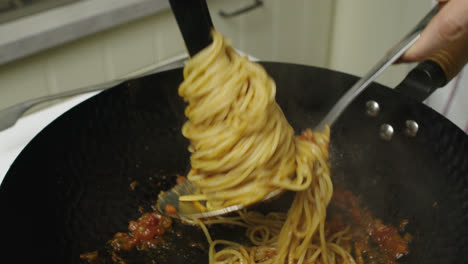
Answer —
144 233
372 241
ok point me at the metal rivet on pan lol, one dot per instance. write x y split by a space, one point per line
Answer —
411 128
372 108
386 132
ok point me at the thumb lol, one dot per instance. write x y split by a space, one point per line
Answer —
448 25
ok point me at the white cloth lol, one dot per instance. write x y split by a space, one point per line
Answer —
450 100
15 138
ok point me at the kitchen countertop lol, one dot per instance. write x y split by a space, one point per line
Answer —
15 138
38 32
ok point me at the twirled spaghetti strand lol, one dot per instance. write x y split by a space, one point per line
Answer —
242 148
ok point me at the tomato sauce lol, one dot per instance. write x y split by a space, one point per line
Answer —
372 240
143 233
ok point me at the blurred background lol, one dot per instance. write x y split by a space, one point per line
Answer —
51 46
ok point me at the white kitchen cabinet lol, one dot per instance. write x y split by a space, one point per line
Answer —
295 31
92 60
290 31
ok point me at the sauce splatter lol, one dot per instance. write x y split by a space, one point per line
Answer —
373 241
143 233
170 210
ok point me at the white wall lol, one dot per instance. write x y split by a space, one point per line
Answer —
363 30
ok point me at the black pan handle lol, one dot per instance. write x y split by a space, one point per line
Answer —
436 71
194 22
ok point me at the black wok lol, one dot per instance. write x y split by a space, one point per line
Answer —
68 191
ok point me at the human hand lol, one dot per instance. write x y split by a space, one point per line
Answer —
449 25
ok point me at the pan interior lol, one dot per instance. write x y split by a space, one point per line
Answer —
69 190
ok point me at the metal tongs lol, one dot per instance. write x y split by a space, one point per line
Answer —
392 55
195 24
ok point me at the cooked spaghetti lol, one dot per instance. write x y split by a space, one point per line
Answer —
242 145
242 148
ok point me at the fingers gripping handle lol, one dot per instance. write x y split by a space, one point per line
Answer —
452 58
436 71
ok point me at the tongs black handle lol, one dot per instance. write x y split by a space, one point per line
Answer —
194 22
